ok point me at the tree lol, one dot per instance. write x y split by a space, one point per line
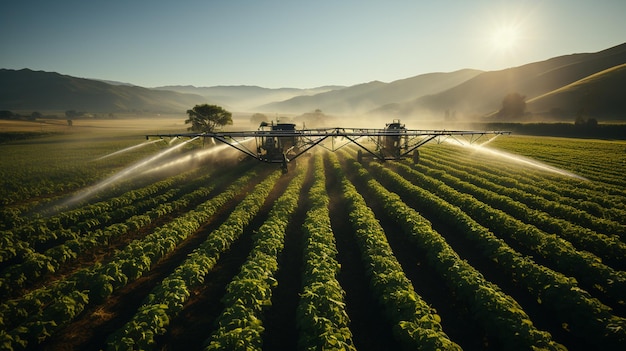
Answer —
73 114
580 121
6 114
206 118
316 118
590 123
258 118
513 106
35 115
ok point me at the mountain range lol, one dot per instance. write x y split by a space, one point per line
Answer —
560 88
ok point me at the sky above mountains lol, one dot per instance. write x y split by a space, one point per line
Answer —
299 44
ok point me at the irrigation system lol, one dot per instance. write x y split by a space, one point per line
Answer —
283 142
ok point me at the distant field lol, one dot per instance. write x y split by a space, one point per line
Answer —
518 247
121 124
114 127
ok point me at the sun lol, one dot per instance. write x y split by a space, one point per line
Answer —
505 38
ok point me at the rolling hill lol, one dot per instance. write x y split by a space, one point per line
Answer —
365 97
555 89
27 90
483 94
599 95
246 97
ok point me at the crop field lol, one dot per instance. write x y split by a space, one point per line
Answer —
179 246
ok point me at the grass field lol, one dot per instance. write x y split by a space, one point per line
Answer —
518 246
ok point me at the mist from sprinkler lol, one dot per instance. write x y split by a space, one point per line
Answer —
527 161
125 174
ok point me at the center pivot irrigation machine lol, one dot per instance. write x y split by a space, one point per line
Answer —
283 143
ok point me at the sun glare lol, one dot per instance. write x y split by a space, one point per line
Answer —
505 38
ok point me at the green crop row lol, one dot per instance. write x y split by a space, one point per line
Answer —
35 265
498 312
584 315
415 324
28 320
168 298
560 253
592 158
40 237
23 179
322 321
29 171
585 210
70 224
566 188
249 294
608 247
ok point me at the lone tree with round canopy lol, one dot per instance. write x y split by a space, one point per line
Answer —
206 118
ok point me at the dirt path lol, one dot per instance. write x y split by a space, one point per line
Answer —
543 319
281 333
368 323
96 323
195 323
103 254
455 318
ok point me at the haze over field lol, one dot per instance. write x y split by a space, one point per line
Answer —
298 44
446 61
559 89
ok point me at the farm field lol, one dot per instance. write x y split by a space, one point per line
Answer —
182 246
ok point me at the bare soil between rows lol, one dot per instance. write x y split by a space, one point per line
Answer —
96 323
541 317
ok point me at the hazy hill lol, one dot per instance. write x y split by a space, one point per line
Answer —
599 95
245 97
365 97
558 88
45 91
484 93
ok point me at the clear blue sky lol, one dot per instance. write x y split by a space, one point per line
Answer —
298 44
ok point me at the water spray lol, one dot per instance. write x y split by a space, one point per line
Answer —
224 151
145 143
125 174
514 158
489 140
